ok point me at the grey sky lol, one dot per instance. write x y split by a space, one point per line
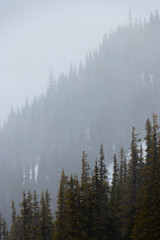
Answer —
39 35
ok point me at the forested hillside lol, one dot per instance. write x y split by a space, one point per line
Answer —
116 88
90 207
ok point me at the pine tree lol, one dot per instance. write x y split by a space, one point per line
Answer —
147 220
102 166
5 235
25 217
121 170
45 224
85 206
72 230
114 191
95 201
3 229
35 217
85 175
129 197
13 230
13 212
114 196
59 224
102 224
148 140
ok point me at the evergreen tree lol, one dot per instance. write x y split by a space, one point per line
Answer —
114 191
45 224
121 170
102 225
147 221
85 199
85 175
128 204
72 204
25 217
59 224
3 229
95 200
5 235
13 212
35 217
114 196
13 230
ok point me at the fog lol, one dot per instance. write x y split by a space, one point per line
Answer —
37 37
79 75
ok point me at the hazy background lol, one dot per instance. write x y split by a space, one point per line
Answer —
39 36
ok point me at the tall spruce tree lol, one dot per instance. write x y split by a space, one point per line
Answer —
103 225
128 203
72 204
147 220
85 199
35 217
46 224
59 224
25 217
114 195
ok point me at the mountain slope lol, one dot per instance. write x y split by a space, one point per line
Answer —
118 87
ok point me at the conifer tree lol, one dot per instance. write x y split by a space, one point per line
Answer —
114 179
45 225
5 235
85 175
95 200
147 220
13 212
85 199
114 197
59 224
148 140
102 225
35 217
102 166
13 230
121 170
25 217
3 229
72 230
129 197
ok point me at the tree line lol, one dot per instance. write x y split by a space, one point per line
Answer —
91 207
107 94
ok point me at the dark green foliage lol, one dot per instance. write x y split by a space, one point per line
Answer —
35 220
114 197
26 215
129 197
46 219
35 217
91 208
147 221
72 207
59 224
3 229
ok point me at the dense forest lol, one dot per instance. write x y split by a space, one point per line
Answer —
117 87
127 208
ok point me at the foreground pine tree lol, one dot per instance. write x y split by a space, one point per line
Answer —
59 224
46 219
147 221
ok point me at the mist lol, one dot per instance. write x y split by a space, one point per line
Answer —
79 119
38 37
